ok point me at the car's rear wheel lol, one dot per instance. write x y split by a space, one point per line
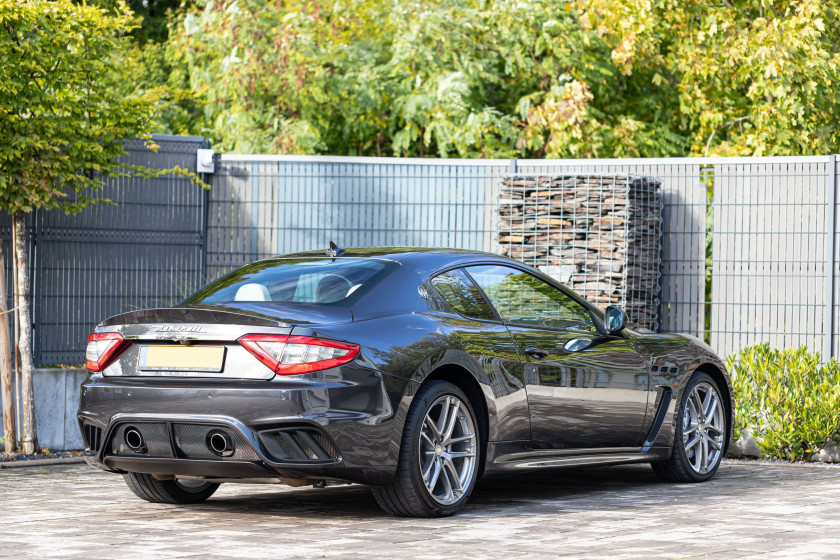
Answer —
700 438
439 458
169 491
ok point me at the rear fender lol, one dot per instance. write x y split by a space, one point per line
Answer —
420 344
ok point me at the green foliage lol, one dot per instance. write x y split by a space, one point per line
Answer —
62 122
501 78
787 398
151 16
415 78
754 77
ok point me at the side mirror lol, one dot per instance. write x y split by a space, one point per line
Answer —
615 319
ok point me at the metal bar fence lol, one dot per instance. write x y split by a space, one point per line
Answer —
767 224
144 251
761 231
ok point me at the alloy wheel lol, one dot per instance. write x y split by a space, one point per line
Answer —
704 424
447 457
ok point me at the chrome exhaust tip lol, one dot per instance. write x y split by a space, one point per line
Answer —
220 443
134 440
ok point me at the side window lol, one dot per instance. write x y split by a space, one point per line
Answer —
462 295
522 298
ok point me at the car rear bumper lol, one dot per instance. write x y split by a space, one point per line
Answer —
335 424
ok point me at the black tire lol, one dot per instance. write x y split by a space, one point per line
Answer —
407 495
168 491
678 468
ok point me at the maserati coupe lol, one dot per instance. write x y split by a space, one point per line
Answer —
413 371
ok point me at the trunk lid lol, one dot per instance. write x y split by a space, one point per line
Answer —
254 314
201 341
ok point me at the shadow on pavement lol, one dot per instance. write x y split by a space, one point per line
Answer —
549 490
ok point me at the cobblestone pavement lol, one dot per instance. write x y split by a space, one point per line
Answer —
621 512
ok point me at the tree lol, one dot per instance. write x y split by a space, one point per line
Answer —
62 126
150 16
754 77
6 393
503 78
414 78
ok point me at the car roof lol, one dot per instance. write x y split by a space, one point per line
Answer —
401 254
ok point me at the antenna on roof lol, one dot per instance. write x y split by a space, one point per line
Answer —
334 250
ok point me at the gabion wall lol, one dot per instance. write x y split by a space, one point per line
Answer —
601 235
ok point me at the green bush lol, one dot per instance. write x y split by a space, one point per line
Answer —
788 399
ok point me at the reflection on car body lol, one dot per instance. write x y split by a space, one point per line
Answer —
414 371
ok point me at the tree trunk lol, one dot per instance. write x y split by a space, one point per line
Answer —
6 385
30 437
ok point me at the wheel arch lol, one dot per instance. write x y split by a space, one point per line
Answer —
466 381
715 372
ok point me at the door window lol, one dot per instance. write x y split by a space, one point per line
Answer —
461 294
520 297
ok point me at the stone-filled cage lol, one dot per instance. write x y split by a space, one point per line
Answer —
601 235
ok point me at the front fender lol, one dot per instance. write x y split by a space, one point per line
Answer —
673 360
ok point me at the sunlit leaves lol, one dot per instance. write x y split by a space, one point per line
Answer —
756 77
62 122
415 78
788 400
484 78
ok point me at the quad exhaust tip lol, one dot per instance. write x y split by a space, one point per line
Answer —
134 439
220 443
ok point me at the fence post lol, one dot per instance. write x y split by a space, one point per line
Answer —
35 286
831 209
205 214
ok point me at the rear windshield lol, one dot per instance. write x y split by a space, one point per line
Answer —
340 282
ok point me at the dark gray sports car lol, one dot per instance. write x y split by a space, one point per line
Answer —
414 371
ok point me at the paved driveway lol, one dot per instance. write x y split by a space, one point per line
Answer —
620 512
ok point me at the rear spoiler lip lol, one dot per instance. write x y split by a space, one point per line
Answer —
251 314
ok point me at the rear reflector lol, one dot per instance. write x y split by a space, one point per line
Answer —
293 355
102 349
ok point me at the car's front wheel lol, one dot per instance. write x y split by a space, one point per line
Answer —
700 438
439 456
169 491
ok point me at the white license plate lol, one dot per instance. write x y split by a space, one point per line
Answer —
182 358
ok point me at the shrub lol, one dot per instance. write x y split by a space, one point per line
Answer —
788 399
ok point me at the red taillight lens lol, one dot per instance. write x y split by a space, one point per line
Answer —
293 355
102 348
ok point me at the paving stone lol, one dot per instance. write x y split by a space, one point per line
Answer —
748 510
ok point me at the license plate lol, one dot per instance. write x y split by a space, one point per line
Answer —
182 358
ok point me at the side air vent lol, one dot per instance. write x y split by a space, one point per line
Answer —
299 446
93 439
661 410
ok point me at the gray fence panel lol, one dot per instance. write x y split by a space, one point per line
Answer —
266 207
769 238
144 251
769 255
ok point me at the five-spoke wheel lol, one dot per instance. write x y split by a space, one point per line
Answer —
447 449
703 427
700 438
439 455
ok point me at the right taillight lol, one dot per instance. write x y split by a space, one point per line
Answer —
293 355
102 349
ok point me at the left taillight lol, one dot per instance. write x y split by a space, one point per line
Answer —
102 349
293 355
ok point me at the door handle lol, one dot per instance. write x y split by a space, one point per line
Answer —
577 344
536 353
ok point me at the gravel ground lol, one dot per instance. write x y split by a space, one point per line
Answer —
749 510
7 457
